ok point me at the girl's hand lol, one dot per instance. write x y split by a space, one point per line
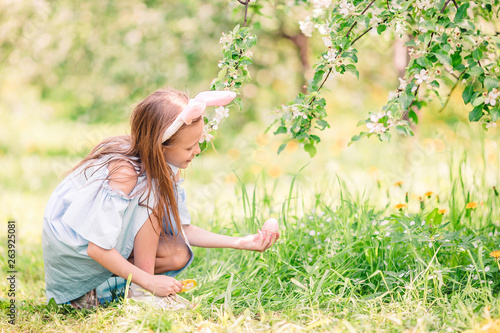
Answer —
162 285
261 241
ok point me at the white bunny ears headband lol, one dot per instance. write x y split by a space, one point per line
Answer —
196 107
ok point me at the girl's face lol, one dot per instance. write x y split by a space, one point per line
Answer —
186 147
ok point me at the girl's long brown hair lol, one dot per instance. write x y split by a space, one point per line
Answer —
143 148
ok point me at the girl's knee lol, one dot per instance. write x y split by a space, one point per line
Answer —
174 261
181 260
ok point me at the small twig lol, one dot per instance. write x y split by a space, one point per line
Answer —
340 49
451 91
369 5
352 27
362 13
246 12
245 3
326 78
445 5
449 97
364 32
455 3
388 6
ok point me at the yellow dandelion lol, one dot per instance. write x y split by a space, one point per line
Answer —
471 205
398 183
442 211
495 254
400 206
428 194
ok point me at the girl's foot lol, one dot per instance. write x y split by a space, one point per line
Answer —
88 301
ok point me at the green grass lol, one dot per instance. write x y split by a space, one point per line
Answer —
347 259
341 264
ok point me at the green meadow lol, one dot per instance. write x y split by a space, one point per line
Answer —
377 236
374 237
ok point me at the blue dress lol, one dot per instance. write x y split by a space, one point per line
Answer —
82 209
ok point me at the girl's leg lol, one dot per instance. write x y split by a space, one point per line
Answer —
172 253
146 246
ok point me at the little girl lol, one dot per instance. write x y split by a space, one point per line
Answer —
122 212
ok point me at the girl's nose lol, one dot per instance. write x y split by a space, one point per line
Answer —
197 150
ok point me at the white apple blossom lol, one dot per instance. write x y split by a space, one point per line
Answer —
424 4
399 28
376 128
421 28
376 19
206 136
331 56
346 7
318 12
327 41
306 27
296 113
422 76
402 84
321 3
324 29
222 111
492 96
226 39
491 125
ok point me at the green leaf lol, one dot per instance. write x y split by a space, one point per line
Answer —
318 76
361 122
413 116
245 61
351 68
490 83
478 101
322 124
476 113
281 130
381 28
356 138
467 94
309 147
456 59
203 146
302 135
401 129
443 58
282 147
315 138
477 54
406 100
411 43
222 73
476 70
239 103
434 218
461 12
495 113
